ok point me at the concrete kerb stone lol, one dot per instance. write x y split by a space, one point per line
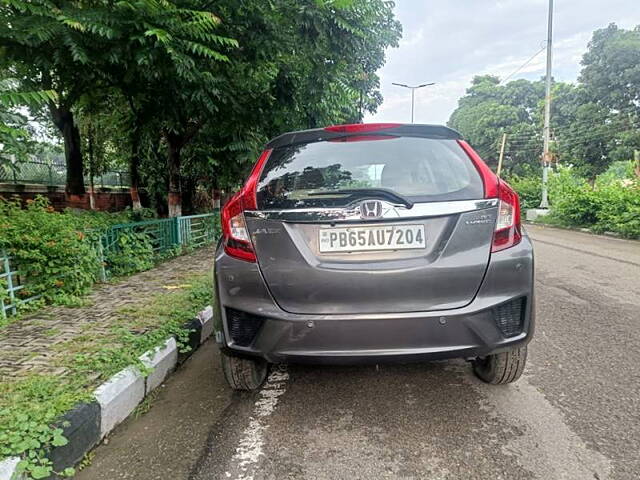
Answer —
8 468
81 427
206 319
162 361
118 397
194 326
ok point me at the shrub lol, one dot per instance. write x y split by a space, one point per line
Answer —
529 189
56 258
612 204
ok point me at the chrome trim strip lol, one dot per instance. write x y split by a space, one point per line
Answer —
389 211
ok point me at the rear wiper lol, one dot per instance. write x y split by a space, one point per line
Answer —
369 192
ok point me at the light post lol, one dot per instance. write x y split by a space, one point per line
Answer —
413 92
546 156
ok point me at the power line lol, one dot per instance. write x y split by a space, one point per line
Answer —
524 64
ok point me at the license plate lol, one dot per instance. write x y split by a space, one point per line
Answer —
378 237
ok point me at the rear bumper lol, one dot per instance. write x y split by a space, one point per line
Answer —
356 338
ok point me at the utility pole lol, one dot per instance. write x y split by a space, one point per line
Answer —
546 156
413 92
504 142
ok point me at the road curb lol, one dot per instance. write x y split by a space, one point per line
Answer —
8 468
88 423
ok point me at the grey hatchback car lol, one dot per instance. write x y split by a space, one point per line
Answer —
372 243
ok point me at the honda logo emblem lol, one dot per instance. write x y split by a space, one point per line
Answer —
371 209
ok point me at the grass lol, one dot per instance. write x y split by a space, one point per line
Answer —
30 405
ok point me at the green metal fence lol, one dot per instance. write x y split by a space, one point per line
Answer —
163 238
10 286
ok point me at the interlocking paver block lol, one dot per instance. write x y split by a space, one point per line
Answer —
33 343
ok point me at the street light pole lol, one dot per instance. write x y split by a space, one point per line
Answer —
413 93
546 157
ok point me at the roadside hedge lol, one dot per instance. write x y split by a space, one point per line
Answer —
611 203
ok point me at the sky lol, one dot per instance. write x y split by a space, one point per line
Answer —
451 41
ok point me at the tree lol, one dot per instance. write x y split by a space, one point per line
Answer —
488 110
74 47
186 99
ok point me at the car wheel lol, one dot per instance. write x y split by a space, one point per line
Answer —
501 368
243 373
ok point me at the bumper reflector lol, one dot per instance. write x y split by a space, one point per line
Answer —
509 317
243 326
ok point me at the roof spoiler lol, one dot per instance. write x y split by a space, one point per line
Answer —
370 129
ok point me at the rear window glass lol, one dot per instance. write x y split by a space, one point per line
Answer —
421 169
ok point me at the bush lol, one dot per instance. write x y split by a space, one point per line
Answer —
529 189
56 258
612 204
618 209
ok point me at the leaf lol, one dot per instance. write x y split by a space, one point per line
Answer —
58 439
39 471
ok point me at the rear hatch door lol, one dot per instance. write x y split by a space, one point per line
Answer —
375 224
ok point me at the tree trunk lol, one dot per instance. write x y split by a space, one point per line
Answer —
175 194
134 170
92 198
188 198
63 119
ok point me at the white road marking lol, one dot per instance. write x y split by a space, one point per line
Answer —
249 449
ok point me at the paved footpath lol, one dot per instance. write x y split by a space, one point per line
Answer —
575 415
28 345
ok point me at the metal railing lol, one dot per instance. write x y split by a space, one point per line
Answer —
164 237
10 285
156 239
54 173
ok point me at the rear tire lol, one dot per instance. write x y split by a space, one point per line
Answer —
243 373
501 368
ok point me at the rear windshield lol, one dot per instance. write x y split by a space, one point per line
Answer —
420 169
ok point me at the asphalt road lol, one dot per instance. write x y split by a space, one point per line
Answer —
574 415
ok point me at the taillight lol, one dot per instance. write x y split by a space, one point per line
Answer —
235 234
508 230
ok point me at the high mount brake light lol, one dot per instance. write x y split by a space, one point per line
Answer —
361 127
508 230
235 234
362 138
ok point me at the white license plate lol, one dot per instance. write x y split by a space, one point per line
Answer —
382 237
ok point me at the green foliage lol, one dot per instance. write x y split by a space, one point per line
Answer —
30 407
56 258
611 204
15 140
617 172
611 68
529 189
133 253
186 93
